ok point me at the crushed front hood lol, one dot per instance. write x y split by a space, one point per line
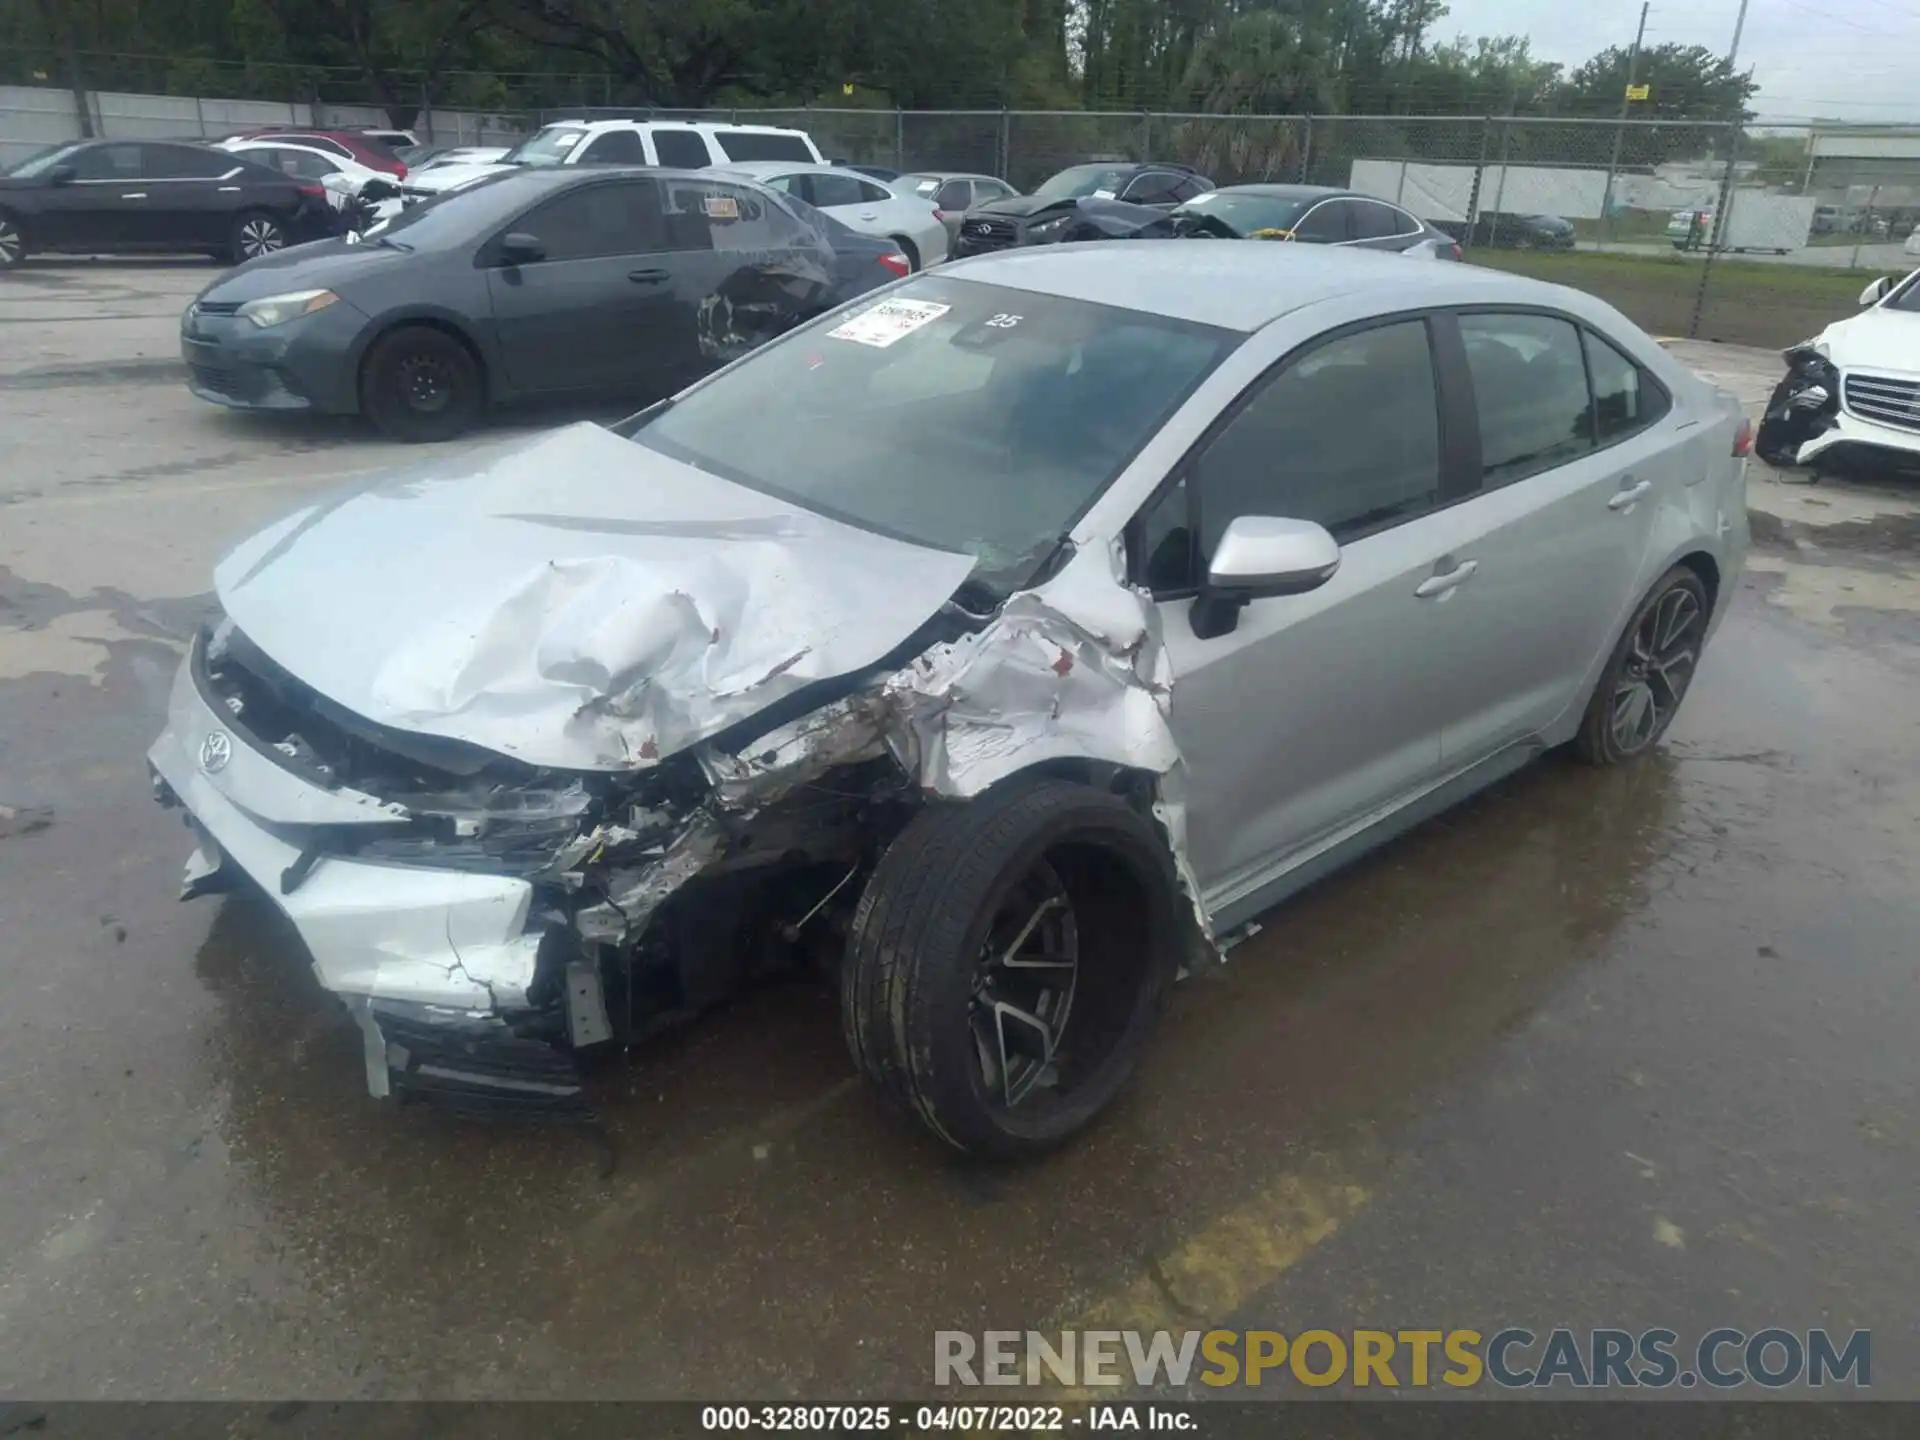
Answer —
573 600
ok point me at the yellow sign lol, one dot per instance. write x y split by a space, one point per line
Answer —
1639 92
847 88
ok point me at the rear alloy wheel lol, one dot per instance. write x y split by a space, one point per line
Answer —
421 384
1007 962
1652 667
13 244
255 234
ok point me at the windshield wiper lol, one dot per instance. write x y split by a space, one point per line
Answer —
393 244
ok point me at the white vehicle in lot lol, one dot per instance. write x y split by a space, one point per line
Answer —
674 144
992 645
1852 392
860 203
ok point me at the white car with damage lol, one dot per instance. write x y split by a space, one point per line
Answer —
995 646
1851 394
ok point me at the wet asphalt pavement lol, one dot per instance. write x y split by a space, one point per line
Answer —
1620 1048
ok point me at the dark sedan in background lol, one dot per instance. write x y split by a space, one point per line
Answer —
539 282
1307 214
1501 230
116 197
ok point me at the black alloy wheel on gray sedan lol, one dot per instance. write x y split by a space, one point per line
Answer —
255 233
421 384
1648 675
13 243
1007 961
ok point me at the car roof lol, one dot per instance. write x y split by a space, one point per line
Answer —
945 175
758 168
1295 192
700 126
1238 286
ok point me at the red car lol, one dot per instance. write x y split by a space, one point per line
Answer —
350 144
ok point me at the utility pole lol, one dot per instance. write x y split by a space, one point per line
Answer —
1620 130
1726 185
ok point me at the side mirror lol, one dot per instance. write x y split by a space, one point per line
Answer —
1876 291
62 175
1261 556
517 247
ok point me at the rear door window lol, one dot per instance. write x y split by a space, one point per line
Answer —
614 147
829 190
1530 390
1328 223
681 149
1152 187
1626 400
708 214
1373 220
754 145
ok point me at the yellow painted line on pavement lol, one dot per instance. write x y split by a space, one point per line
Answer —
1220 1268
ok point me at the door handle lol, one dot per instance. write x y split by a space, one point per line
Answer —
1443 584
870 215
646 277
1624 498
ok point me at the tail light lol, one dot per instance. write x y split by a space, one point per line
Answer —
1743 439
897 263
1456 249
939 214
399 169
318 192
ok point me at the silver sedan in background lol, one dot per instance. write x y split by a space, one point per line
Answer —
994 645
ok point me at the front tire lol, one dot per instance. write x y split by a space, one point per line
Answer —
255 233
420 384
1651 669
1007 962
13 242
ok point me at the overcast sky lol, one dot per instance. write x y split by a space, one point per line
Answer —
1835 59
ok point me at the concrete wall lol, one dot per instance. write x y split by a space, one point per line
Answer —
33 117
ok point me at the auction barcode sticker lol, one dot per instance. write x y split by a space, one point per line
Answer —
887 322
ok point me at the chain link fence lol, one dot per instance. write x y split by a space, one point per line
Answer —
1759 234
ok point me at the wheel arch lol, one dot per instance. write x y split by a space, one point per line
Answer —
453 326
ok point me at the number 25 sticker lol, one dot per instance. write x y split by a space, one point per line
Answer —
1005 322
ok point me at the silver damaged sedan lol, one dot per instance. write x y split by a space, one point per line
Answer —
993 647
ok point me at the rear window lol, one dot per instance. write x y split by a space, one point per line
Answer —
680 149
756 145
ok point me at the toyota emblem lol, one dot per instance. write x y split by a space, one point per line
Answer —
215 751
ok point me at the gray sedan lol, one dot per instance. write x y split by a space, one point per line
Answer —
1313 215
535 283
992 646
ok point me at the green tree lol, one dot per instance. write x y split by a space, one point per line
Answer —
1685 82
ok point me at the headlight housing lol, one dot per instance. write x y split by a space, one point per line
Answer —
1050 229
271 310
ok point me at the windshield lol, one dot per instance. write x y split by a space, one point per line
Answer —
1246 216
42 161
959 415
1907 297
550 146
1078 180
